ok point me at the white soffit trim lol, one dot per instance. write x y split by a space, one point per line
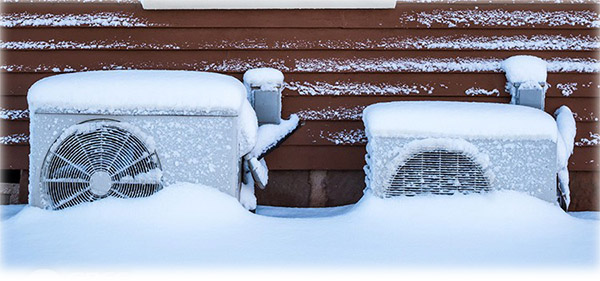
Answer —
266 4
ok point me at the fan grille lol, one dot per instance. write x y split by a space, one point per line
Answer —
438 172
99 159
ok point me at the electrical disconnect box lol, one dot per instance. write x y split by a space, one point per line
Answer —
526 80
264 86
531 94
267 105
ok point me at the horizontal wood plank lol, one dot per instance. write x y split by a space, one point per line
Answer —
381 84
351 133
297 39
350 108
14 157
432 84
288 61
405 15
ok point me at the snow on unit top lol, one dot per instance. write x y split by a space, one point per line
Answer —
521 69
268 79
458 119
138 92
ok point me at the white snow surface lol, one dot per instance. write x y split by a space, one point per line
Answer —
476 17
247 197
187 225
268 79
138 92
520 69
94 19
555 42
13 114
19 138
270 134
566 141
458 119
326 65
248 128
567 129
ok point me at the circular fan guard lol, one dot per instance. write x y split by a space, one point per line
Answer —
98 159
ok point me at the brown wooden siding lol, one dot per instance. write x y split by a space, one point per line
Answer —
336 62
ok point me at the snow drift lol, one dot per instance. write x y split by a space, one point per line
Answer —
192 225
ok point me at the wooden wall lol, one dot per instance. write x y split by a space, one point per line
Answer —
335 62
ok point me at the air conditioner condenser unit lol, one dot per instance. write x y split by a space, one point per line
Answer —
129 133
435 147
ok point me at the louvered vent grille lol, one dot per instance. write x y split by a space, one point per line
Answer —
438 172
104 161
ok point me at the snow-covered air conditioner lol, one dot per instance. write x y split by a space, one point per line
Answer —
435 147
129 133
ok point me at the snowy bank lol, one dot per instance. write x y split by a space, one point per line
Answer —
191 225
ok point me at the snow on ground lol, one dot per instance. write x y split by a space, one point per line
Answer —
588 215
291 212
8 211
190 225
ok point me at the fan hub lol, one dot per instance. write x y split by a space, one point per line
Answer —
100 183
